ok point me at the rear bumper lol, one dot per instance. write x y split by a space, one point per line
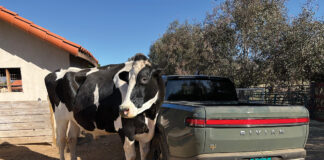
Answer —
286 154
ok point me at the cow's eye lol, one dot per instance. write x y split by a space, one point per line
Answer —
144 80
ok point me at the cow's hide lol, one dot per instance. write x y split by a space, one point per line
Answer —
122 98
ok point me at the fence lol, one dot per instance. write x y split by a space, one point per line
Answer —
296 95
25 122
311 96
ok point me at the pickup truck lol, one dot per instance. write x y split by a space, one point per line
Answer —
201 118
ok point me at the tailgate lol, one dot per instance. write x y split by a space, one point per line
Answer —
245 128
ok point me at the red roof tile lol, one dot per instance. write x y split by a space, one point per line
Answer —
28 26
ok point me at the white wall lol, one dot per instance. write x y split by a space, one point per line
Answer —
35 58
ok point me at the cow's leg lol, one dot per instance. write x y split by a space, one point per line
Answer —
73 134
129 148
144 149
61 127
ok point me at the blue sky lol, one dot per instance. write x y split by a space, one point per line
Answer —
115 30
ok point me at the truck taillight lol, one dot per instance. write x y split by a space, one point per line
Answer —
192 122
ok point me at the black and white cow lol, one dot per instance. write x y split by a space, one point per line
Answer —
123 98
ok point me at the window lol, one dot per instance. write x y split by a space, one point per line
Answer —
200 90
10 80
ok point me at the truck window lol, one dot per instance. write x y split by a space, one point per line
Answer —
200 90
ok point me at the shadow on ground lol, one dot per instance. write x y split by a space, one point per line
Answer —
106 147
315 143
15 152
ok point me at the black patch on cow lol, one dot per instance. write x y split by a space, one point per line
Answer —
80 77
86 112
144 90
67 87
134 126
108 109
139 56
155 108
50 83
121 135
148 83
124 76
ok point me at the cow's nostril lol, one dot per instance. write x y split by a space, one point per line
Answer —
125 111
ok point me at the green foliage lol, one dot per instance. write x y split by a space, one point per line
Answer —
251 41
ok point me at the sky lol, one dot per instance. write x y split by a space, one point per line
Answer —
115 30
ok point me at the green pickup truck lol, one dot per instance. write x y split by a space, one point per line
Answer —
201 118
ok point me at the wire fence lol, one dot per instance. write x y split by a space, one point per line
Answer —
296 95
311 96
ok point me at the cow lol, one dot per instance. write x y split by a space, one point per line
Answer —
119 98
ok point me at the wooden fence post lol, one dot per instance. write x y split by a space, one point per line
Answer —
8 80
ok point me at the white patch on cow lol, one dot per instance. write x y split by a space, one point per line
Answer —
61 112
62 72
92 71
122 85
147 137
144 139
147 105
96 96
129 148
118 123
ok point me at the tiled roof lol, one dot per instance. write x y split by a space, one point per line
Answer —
28 26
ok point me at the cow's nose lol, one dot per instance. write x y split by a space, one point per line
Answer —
124 111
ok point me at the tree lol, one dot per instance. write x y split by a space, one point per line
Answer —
251 41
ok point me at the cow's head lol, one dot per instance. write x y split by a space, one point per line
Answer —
145 87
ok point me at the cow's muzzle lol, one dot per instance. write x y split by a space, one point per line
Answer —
124 112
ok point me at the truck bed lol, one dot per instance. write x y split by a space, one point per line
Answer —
232 127
203 119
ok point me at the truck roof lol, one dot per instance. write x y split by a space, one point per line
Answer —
167 77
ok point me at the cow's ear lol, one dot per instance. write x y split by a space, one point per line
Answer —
124 76
157 71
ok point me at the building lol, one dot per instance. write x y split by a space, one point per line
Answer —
28 53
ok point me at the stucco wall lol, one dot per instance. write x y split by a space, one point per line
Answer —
35 58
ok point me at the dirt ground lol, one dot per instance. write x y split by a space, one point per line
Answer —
110 148
315 142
